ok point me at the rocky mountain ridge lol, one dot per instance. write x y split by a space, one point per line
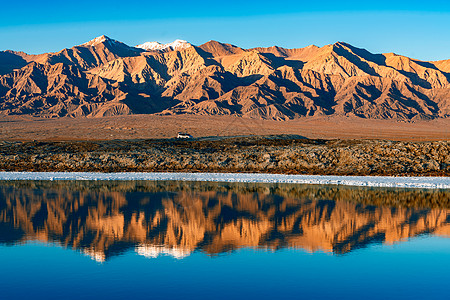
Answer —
105 77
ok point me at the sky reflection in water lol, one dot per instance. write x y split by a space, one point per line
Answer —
210 240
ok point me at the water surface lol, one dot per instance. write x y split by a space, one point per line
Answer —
160 239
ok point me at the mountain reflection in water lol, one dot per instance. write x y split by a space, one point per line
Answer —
105 219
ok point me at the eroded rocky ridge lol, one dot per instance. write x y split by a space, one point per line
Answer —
177 218
105 77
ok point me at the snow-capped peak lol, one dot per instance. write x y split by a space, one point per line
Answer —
98 40
175 45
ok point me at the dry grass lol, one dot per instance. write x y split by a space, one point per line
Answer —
273 154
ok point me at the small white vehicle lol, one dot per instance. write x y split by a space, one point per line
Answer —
184 136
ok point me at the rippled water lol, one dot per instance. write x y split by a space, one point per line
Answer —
159 239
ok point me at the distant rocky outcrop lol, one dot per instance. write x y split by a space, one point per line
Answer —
107 77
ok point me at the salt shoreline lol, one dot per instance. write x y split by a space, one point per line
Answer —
368 181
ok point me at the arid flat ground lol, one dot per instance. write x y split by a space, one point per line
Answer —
153 126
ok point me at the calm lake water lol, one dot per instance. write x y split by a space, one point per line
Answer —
191 240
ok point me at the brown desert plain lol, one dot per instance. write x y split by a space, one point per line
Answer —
26 128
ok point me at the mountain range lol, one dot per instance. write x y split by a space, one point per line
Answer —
105 77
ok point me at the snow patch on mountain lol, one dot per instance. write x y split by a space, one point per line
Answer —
99 40
112 43
156 46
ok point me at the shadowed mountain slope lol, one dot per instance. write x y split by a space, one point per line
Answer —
107 77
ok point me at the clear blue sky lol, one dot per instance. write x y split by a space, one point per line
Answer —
419 29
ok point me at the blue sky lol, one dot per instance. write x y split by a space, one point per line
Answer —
418 29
